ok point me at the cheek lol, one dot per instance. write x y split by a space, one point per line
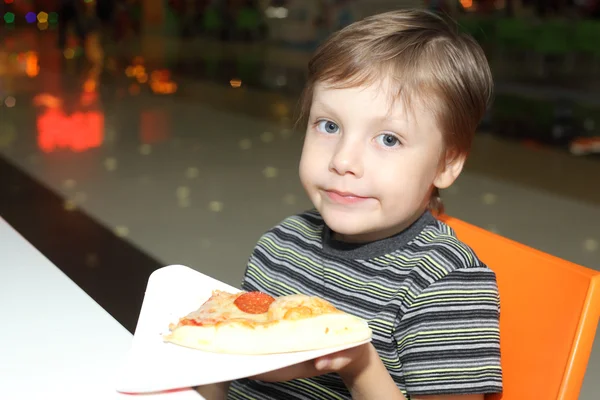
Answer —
308 163
303 171
409 177
315 151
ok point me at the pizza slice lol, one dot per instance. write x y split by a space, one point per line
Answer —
256 323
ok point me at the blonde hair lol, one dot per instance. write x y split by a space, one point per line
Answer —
420 53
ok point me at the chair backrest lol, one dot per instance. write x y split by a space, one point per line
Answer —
548 318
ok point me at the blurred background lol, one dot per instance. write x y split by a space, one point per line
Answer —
168 125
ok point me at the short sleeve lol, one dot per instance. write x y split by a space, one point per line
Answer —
449 336
250 282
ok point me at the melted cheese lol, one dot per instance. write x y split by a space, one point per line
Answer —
220 308
293 323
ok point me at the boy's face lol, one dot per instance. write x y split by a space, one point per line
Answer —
369 165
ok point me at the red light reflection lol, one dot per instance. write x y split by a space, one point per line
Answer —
78 132
154 126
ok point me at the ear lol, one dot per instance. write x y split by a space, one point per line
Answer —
449 170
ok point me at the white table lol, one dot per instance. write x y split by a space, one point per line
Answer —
56 342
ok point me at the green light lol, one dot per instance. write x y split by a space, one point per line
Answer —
9 18
53 18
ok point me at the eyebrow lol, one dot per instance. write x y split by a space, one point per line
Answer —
324 107
379 119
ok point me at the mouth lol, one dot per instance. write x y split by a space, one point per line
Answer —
340 197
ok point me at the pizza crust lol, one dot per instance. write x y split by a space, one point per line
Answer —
282 336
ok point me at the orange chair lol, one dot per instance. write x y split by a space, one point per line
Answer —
549 314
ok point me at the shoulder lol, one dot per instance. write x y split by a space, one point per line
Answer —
442 251
449 286
442 262
440 240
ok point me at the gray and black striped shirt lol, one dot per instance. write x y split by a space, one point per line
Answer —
432 304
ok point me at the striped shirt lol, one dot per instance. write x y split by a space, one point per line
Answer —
432 304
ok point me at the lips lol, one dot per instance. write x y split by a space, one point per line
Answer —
341 197
345 194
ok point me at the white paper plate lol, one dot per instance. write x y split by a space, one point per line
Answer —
153 365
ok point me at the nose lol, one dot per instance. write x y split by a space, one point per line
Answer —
347 159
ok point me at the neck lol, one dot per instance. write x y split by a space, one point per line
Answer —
374 236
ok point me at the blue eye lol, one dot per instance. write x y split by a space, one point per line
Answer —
326 126
388 140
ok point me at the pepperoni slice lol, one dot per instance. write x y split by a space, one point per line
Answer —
254 302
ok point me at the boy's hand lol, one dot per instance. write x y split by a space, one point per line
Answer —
361 369
348 363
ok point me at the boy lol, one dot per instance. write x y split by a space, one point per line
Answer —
392 102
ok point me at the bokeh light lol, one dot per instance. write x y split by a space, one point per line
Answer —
111 164
281 109
182 192
42 17
160 82
9 18
70 205
10 102
591 245
267 137
89 85
139 70
215 206
145 149
121 231
192 173
466 3
161 75
78 132
53 18
69 183
47 100
32 68
270 172
30 17
88 98
142 78
42 26
164 87
69 53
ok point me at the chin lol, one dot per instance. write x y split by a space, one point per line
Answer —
347 223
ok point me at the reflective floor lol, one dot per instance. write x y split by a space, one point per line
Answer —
188 152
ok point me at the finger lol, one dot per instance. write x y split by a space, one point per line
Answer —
332 364
336 361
